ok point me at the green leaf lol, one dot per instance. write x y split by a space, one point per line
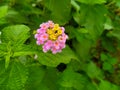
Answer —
92 2
36 75
107 66
108 44
3 11
117 3
53 60
66 88
90 86
108 25
104 57
113 60
16 34
3 21
70 30
71 79
114 33
108 58
75 5
83 49
60 10
76 16
93 18
3 49
14 77
23 50
12 17
105 85
50 79
7 60
93 71
5 52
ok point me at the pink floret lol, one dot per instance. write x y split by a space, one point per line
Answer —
44 26
44 37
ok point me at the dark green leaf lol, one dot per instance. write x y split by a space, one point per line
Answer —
70 79
36 75
60 10
93 18
107 66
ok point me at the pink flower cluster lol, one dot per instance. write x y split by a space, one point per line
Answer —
51 36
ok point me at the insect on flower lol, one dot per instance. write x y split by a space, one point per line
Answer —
51 36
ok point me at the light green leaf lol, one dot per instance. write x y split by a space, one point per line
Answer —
92 1
108 24
75 5
16 34
5 52
14 77
3 11
3 21
23 50
7 60
105 85
3 49
53 60
118 3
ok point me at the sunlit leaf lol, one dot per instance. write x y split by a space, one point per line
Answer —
92 2
3 11
14 77
16 34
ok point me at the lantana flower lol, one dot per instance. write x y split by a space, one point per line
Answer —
51 36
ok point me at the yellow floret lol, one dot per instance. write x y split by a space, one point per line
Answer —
54 32
56 27
59 31
52 37
49 31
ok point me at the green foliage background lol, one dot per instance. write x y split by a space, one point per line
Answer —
90 61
